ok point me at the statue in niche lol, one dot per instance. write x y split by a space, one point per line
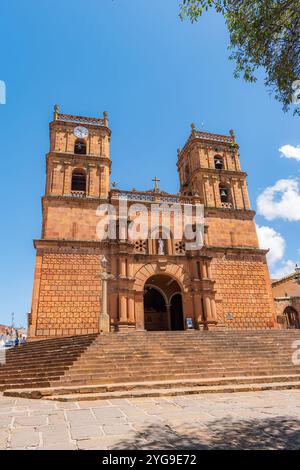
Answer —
161 247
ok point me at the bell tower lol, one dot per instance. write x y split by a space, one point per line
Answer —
209 165
78 164
77 175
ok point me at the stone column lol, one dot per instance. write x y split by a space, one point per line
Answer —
114 265
206 236
198 310
203 269
139 310
169 246
168 307
123 308
216 188
195 269
209 274
130 268
68 179
213 309
122 266
104 321
235 199
245 194
130 307
208 308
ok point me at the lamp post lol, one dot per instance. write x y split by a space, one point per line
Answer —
104 320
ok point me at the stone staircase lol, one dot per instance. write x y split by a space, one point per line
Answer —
40 363
152 364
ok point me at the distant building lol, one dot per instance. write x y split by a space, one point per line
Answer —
286 293
8 330
4 329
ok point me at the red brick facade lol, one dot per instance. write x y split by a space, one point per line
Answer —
224 285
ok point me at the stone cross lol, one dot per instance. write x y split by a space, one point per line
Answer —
156 181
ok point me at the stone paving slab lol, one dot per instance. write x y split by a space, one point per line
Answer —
254 420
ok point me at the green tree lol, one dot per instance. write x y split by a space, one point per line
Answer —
263 33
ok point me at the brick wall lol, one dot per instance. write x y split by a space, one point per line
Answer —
69 294
243 290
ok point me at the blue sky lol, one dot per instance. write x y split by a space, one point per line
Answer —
154 75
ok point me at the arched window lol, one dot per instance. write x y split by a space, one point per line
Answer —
80 147
219 163
78 180
292 318
225 194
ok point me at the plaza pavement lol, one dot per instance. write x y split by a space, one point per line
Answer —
258 420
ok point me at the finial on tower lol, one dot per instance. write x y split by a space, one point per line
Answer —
56 111
193 127
105 118
178 151
231 132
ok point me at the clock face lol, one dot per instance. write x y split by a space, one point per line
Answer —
81 132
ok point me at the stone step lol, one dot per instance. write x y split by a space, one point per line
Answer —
95 380
146 385
127 357
199 370
176 392
161 392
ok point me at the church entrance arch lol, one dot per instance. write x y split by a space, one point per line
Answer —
162 304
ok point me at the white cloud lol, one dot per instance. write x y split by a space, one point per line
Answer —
274 241
289 151
281 201
271 240
286 268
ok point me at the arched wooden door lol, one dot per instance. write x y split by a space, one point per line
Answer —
176 310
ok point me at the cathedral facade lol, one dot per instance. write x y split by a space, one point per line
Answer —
154 283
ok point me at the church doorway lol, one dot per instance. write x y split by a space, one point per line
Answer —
176 312
292 318
163 304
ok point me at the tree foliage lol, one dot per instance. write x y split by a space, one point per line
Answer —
263 33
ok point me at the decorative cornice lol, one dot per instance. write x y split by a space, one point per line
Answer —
74 156
218 173
68 198
229 213
227 250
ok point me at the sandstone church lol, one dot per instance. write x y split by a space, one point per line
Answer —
223 285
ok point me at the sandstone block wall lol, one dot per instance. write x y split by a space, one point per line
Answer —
68 295
243 290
